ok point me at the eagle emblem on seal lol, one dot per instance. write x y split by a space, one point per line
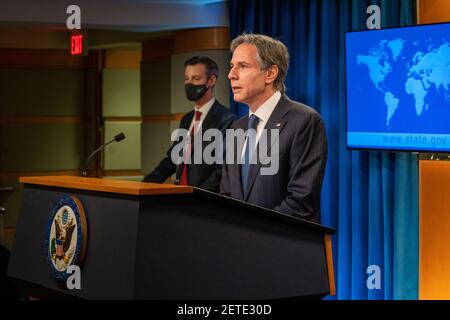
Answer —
66 236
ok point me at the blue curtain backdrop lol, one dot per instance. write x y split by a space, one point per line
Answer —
370 197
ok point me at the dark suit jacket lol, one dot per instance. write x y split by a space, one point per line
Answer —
295 189
203 175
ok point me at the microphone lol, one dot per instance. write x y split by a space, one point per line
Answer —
117 138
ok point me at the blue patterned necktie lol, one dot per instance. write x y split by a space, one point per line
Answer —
249 149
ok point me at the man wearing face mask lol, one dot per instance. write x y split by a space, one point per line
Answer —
200 76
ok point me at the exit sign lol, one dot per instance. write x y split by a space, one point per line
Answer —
76 44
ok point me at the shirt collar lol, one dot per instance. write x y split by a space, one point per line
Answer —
205 108
266 109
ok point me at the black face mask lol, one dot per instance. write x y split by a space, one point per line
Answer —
194 92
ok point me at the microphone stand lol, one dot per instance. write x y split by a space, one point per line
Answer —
118 137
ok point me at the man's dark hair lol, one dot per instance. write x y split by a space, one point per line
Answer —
211 66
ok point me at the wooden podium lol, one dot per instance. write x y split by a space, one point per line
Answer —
159 241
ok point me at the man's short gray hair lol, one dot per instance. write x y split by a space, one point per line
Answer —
270 52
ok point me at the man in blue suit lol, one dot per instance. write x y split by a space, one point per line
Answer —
258 69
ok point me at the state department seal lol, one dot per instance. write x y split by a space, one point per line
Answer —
66 236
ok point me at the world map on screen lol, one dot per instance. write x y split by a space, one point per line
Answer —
426 70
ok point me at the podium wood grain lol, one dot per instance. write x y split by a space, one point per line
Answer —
107 185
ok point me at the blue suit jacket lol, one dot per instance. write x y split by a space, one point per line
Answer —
295 189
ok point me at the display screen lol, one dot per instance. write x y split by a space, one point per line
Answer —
398 88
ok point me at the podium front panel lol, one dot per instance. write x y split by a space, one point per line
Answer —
192 247
108 268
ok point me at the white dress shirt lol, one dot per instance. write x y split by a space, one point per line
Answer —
263 113
204 110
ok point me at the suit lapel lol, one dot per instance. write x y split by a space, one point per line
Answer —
276 121
187 121
210 117
241 124
184 124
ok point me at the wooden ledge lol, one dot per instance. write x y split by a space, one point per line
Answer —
107 185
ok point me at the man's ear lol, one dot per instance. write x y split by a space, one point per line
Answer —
212 81
271 74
